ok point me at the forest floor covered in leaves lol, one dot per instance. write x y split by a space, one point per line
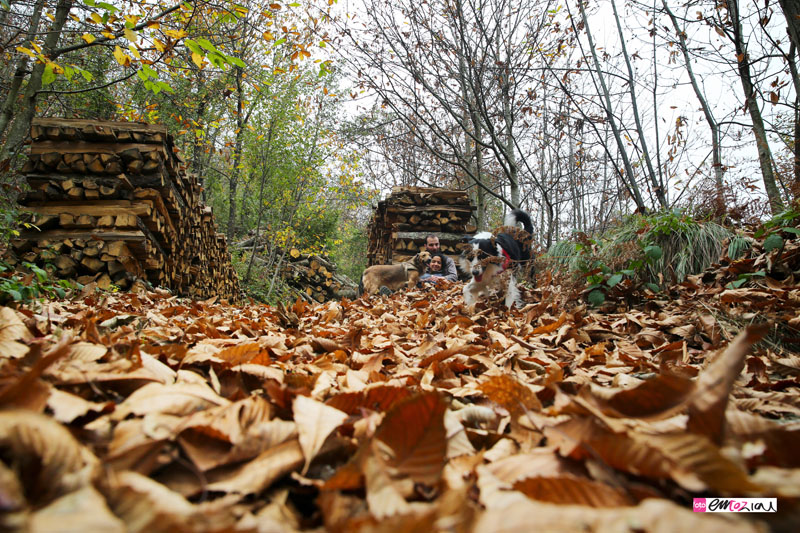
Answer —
149 412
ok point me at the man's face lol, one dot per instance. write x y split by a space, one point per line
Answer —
432 244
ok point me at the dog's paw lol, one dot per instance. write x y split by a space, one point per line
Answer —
385 291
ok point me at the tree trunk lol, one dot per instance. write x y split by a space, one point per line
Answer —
631 177
22 69
267 172
658 187
791 10
237 156
21 122
716 152
764 153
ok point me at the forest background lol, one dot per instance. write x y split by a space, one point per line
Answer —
298 116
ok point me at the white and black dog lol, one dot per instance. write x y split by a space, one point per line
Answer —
489 254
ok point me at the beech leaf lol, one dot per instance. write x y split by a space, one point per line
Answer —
414 436
315 422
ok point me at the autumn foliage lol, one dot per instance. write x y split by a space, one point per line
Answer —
148 412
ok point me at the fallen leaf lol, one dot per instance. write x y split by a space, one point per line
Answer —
315 422
707 408
414 439
84 509
572 490
49 461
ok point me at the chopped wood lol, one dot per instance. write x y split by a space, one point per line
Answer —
405 218
113 228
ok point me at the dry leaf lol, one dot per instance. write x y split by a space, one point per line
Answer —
12 330
707 408
510 394
572 490
414 438
175 399
48 459
147 506
315 421
79 511
261 472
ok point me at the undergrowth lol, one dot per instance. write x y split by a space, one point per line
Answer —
642 255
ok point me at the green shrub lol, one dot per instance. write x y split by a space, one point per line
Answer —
644 253
24 287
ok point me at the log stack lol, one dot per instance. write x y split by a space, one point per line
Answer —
401 222
112 202
315 277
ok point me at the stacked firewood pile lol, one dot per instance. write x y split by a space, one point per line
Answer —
315 278
401 222
111 202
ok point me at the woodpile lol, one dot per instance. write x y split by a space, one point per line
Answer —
315 278
401 222
112 202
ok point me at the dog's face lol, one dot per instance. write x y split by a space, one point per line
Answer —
423 258
477 256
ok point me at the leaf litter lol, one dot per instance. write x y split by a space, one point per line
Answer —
148 412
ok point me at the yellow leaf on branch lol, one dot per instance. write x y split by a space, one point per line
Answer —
176 34
121 57
88 37
131 35
26 51
198 59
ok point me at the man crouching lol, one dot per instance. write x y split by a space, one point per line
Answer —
393 277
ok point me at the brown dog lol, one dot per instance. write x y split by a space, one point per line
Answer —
394 276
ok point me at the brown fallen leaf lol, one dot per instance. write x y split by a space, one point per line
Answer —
707 407
315 422
573 490
658 397
81 510
258 474
413 437
509 393
12 331
174 399
48 460
145 505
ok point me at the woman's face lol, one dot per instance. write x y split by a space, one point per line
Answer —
436 264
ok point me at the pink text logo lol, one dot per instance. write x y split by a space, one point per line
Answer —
699 505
